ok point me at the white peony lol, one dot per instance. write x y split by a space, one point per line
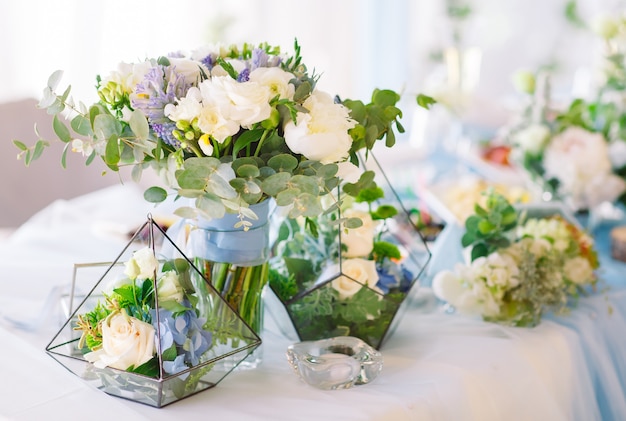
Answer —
322 133
126 342
142 265
245 103
276 79
212 122
356 273
359 241
579 160
533 138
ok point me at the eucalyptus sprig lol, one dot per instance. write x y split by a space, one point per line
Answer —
490 227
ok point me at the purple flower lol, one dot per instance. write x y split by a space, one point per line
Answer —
161 86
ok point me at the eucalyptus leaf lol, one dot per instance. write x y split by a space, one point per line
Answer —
81 125
211 205
276 183
287 197
283 162
155 194
186 212
139 125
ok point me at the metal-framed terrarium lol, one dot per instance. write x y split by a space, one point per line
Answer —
151 329
333 277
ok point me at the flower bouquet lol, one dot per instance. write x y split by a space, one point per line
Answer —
577 154
341 280
521 265
153 330
228 130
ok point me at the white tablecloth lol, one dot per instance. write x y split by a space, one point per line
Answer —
437 366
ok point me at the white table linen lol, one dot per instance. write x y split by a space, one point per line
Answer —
437 366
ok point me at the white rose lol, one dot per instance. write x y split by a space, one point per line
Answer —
359 241
142 265
245 103
578 270
187 108
322 133
276 79
532 139
126 342
356 274
169 287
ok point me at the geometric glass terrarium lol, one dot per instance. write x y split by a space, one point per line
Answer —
152 329
338 281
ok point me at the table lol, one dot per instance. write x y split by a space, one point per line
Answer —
437 366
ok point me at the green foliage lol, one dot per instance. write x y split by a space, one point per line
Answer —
489 228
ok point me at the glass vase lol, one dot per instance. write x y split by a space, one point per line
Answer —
330 281
234 261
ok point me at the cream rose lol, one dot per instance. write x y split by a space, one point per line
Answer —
126 342
142 265
578 270
359 241
322 133
360 270
169 287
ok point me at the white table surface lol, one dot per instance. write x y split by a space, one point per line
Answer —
437 366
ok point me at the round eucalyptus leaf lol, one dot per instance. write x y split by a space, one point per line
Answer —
266 171
211 206
283 162
155 194
328 171
248 171
276 183
306 184
308 204
186 212
287 197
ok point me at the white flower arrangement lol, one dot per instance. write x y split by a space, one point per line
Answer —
537 266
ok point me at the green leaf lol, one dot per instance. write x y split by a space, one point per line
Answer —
385 212
105 126
276 183
112 152
20 145
352 223
385 97
245 139
139 125
228 68
155 194
39 147
54 79
81 125
305 184
283 162
61 130
479 250
425 101
248 171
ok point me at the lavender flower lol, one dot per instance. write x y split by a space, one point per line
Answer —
162 85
